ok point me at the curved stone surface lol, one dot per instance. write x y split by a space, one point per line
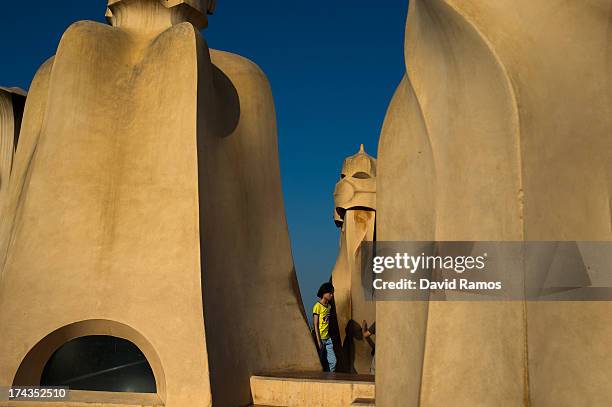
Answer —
499 131
146 193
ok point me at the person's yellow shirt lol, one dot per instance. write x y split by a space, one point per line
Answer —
323 312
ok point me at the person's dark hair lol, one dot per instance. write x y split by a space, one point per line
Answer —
325 288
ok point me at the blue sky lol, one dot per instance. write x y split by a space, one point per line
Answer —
333 66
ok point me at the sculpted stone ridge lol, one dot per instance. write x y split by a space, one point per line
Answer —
203 6
12 101
146 12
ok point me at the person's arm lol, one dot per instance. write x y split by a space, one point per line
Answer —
364 330
367 333
315 322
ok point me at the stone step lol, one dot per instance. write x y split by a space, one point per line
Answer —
312 389
364 403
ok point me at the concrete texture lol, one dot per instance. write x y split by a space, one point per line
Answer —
500 130
355 215
145 203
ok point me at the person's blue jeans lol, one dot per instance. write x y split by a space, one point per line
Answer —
328 357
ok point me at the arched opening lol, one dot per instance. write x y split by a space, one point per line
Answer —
94 355
99 363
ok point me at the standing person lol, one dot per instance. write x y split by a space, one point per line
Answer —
321 313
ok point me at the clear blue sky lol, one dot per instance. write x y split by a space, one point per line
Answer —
333 66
